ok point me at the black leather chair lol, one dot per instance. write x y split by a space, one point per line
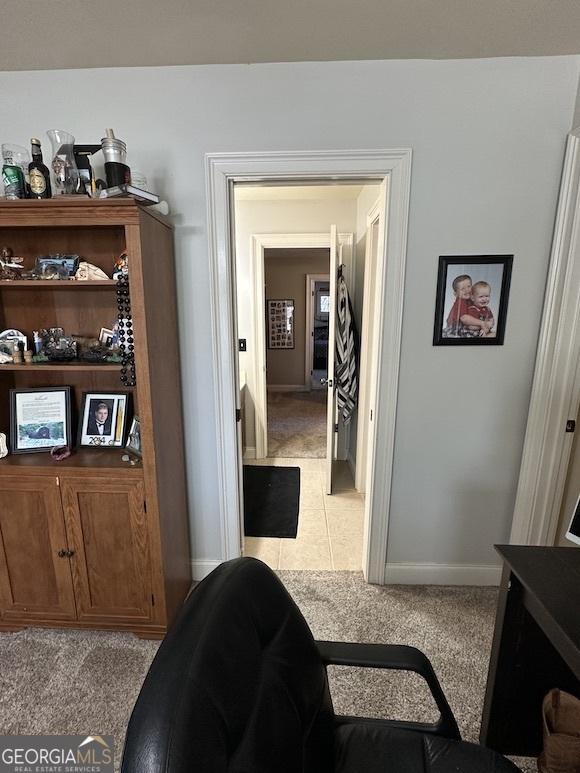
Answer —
240 685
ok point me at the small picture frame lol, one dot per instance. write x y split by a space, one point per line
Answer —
104 419
472 300
106 336
134 438
40 419
280 323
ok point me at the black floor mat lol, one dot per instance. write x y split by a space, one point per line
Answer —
271 501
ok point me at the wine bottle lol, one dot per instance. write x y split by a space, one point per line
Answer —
38 174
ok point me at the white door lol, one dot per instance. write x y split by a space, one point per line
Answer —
331 417
238 395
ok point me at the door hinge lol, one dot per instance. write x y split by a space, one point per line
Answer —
570 425
57 481
336 427
144 506
238 414
152 600
371 415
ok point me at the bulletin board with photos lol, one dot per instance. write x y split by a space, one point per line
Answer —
280 323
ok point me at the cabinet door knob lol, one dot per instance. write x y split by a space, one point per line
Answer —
70 553
62 553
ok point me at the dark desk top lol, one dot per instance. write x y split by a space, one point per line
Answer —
551 579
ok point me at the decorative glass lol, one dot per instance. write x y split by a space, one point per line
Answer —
65 173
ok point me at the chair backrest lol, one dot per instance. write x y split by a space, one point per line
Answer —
237 685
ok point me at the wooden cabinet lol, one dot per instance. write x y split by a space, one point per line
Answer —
93 541
35 575
107 535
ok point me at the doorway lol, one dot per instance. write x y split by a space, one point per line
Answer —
296 404
292 301
316 345
392 170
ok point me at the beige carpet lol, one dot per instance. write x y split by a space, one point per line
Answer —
297 424
82 682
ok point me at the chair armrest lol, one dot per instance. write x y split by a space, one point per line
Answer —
394 657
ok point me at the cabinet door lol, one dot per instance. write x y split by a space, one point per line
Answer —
35 582
107 530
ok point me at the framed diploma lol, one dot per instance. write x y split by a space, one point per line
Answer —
39 419
104 419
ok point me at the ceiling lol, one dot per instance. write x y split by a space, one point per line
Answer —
53 34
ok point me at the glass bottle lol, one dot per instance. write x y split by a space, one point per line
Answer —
15 160
38 174
64 168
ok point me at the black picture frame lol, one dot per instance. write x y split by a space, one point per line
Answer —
281 323
36 435
493 271
111 437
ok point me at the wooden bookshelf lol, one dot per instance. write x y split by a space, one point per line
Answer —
60 367
123 527
59 284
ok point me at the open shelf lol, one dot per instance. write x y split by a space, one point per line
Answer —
61 367
85 458
61 284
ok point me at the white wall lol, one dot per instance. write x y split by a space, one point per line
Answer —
488 139
365 201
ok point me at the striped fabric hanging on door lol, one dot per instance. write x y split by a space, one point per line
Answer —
347 352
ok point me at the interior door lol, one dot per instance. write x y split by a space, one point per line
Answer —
331 417
240 411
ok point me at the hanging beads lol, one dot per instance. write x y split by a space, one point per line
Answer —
126 337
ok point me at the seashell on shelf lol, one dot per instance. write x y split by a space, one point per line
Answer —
87 272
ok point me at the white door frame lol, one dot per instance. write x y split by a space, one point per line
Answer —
556 386
311 280
222 170
367 327
258 244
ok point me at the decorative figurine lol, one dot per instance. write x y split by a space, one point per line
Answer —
12 341
87 272
121 265
10 265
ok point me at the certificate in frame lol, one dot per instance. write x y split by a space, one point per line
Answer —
40 419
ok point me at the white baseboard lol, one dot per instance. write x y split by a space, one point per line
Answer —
200 568
287 388
442 574
249 452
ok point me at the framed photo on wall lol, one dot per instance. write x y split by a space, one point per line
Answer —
280 324
40 419
103 419
472 300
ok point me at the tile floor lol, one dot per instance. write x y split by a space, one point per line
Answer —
330 528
